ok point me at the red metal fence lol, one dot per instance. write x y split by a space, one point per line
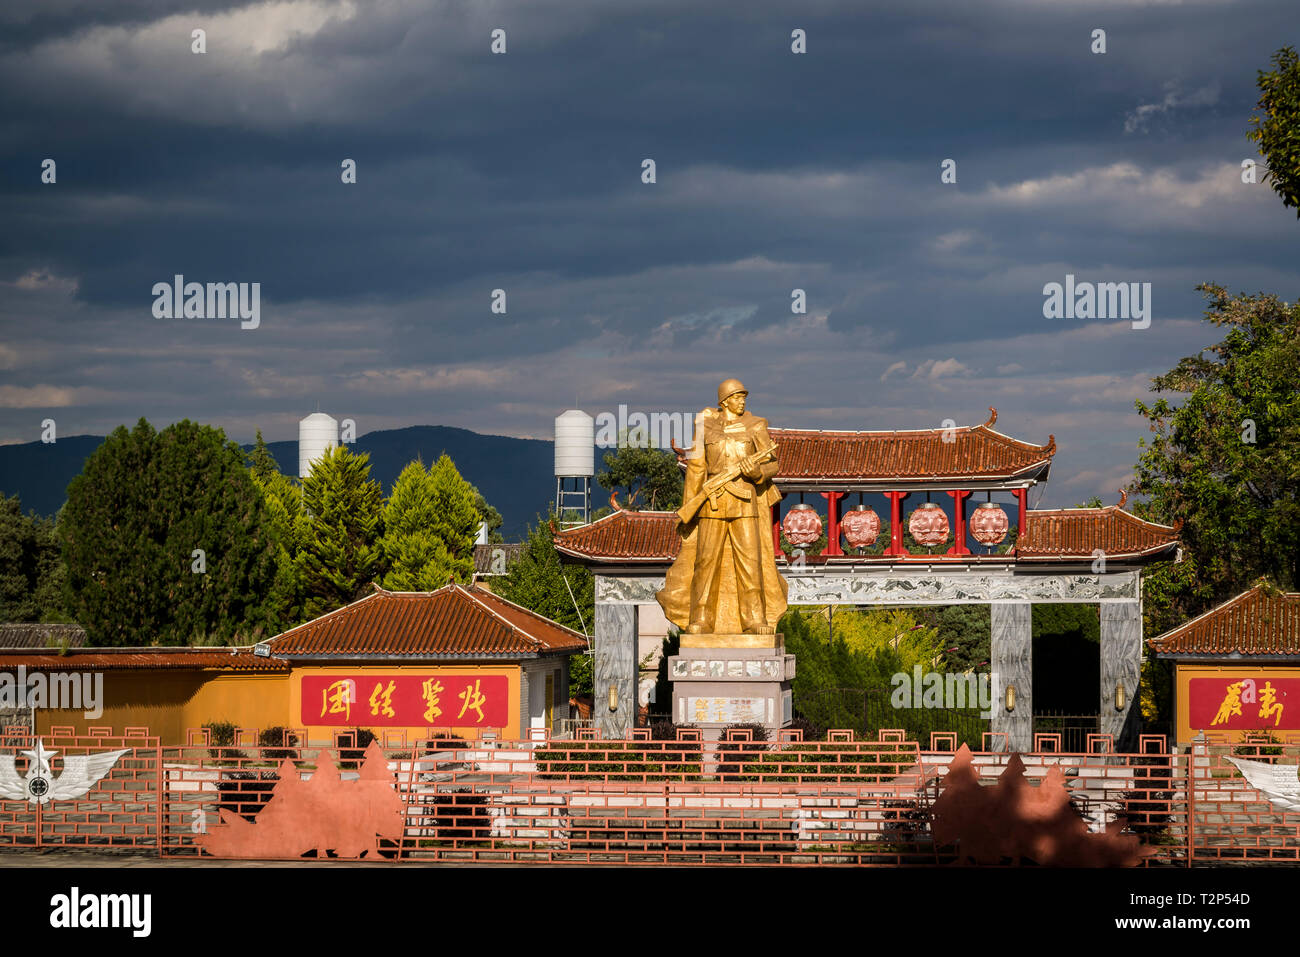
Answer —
637 801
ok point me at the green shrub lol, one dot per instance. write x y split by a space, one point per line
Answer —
278 743
222 733
620 760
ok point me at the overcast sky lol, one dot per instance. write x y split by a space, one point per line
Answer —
523 171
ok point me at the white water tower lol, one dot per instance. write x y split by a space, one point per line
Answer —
316 435
575 464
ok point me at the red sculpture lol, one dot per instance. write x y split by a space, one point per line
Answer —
319 814
1015 821
928 525
989 524
861 527
802 525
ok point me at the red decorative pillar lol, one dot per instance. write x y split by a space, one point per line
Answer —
895 524
959 522
833 522
1023 495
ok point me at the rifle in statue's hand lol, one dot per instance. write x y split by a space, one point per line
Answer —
713 487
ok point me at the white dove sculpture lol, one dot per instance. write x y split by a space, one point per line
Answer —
1277 782
80 773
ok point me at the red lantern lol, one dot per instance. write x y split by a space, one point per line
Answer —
861 527
802 525
989 524
928 525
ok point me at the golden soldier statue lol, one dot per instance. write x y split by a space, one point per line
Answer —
724 580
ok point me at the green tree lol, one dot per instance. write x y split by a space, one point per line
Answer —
456 516
1278 131
289 527
1226 463
166 541
31 568
874 632
486 513
339 556
415 557
965 635
260 460
540 582
643 473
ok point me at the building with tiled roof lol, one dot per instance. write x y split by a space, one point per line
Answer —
406 665
1237 667
977 456
453 623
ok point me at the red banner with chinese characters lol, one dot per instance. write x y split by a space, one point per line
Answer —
406 701
1235 703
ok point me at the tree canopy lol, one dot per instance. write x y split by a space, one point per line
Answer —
648 477
1226 462
166 541
31 569
1277 131
537 580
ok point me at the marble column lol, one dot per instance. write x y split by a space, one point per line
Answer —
1011 658
1121 663
615 663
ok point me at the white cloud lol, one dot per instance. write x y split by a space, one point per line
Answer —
1173 99
935 369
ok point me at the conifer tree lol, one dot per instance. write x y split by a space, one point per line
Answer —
455 517
260 460
339 555
415 557
289 526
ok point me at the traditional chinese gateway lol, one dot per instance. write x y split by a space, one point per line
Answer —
904 525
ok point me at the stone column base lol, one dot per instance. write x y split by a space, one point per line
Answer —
721 680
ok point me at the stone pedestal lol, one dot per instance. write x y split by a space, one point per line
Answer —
721 680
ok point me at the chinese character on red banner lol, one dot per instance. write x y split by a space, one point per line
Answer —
381 700
473 698
430 690
1269 705
1231 704
338 698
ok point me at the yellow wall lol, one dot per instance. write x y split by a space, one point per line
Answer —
169 702
1184 673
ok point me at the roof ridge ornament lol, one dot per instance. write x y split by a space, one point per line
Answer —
1123 497
993 417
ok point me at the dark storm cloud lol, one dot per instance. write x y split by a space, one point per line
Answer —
522 172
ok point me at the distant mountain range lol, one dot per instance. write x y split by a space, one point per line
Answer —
515 475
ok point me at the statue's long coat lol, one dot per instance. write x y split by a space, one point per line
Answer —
675 598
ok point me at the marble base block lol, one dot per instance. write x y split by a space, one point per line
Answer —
721 680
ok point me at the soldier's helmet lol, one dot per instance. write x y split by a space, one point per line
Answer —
729 388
